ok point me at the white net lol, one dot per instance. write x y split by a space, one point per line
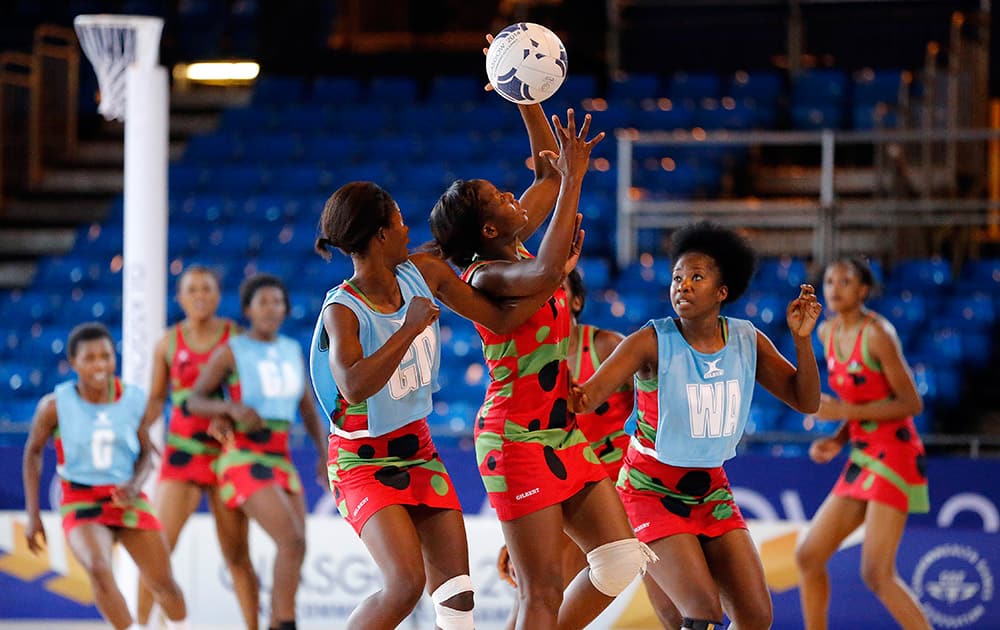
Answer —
112 43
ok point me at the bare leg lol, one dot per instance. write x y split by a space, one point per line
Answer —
739 574
666 612
282 516
535 545
683 574
91 544
175 502
833 522
883 530
394 544
232 528
445 550
593 517
148 547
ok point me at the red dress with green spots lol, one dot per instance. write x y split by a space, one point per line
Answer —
190 453
663 500
369 473
254 460
604 426
82 504
530 450
887 463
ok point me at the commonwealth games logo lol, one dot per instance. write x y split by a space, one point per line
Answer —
954 585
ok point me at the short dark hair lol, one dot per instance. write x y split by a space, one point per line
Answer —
352 216
250 286
861 267
731 252
198 268
456 222
87 331
578 289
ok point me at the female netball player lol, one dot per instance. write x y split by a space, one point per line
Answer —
884 479
540 473
695 376
263 373
374 363
589 346
103 454
188 468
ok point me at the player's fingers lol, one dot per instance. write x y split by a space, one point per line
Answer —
596 139
571 122
560 130
585 129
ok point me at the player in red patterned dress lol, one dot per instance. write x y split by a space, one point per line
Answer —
540 473
884 478
589 346
103 455
187 471
374 363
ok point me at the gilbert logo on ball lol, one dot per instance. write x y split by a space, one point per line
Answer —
526 63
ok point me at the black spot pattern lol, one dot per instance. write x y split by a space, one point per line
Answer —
262 436
881 455
548 376
202 436
922 466
394 477
491 462
555 309
603 408
79 486
179 458
367 451
676 506
903 434
852 473
557 415
535 425
607 448
860 445
695 483
859 379
88 512
261 472
554 463
404 447
482 423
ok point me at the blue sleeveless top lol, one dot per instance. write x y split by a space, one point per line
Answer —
271 375
99 441
407 395
704 399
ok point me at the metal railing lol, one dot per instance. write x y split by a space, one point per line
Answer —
889 204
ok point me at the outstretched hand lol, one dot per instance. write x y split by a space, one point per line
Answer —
803 312
486 49
579 401
823 450
35 535
574 148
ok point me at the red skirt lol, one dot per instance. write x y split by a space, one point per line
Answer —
399 468
887 465
663 500
191 453
255 461
92 504
525 470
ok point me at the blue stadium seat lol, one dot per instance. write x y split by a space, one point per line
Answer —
873 117
679 116
242 119
304 119
455 89
303 179
453 417
236 179
877 86
392 90
211 148
21 380
596 273
933 275
980 275
424 178
764 87
337 90
647 274
575 88
783 275
821 116
634 88
331 149
187 178
396 147
713 115
820 87
271 148
694 86
457 147
26 307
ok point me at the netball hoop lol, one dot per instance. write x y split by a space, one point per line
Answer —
124 50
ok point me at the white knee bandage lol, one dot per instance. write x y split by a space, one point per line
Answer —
449 618
614 565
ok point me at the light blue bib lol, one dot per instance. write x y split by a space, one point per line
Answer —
99 441
271 375
704 399
407 395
